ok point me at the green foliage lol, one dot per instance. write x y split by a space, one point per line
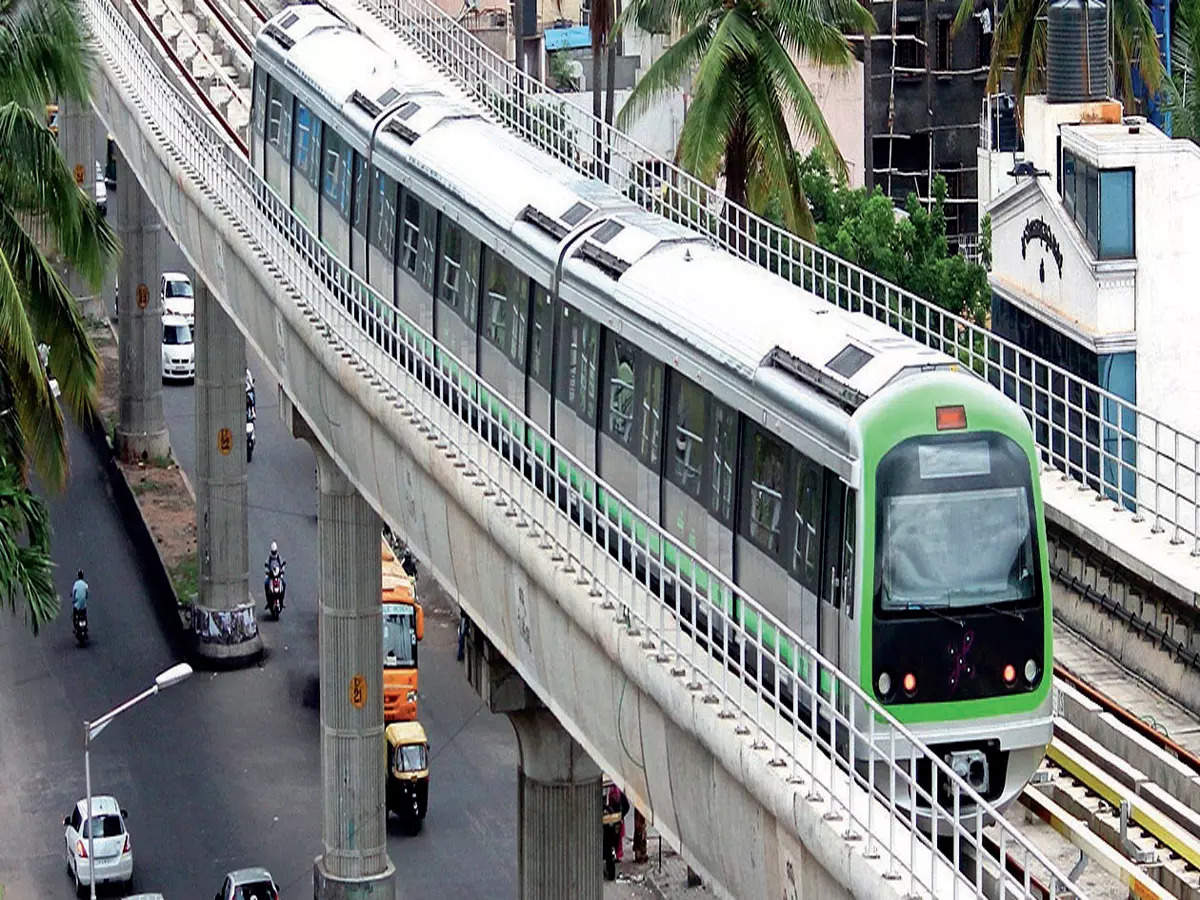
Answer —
909 250
560 73
1183 87
26 572
185 579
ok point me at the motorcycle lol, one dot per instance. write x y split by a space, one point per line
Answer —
275 587
79 625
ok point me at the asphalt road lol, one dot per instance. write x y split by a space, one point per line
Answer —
223 770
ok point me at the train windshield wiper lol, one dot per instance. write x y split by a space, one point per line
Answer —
996 608
920 607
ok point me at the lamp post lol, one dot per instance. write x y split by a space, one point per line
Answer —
92 729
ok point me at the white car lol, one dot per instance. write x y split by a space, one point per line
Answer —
178 350
110 841
177 296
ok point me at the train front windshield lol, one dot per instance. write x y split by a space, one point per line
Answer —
955 524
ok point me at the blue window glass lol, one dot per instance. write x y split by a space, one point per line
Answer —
1116 214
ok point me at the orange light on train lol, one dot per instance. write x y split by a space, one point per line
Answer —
950 418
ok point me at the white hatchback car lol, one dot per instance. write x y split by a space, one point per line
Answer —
177 296
178 349
110 840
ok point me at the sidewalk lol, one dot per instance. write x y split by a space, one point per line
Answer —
664 879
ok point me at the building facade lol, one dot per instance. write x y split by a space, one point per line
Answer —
1094 271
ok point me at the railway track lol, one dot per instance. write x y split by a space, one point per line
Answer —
1118 791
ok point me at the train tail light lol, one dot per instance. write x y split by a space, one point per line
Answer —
1010 675
910 683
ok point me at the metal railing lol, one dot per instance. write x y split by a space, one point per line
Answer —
774 687
1142 464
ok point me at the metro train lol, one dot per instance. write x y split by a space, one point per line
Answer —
877 500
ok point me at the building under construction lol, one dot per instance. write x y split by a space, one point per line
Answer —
924 85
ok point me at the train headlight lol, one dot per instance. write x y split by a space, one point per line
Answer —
885 684
1031 670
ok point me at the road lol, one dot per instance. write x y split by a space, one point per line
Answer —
222 771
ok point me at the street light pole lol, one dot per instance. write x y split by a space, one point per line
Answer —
91 730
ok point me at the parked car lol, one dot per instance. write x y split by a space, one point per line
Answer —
248 884
178 349
110 841
177 296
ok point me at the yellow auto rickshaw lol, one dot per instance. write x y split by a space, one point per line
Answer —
408 772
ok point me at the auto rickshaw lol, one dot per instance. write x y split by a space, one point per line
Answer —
408 772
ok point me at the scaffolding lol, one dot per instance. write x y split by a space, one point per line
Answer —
915 77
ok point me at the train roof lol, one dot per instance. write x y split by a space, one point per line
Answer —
735 313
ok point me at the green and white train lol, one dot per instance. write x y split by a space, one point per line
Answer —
882 504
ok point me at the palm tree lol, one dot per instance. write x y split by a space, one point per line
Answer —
43 57
1183 91
745 85
1020 34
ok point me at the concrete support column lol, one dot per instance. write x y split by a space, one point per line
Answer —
354 862
142 430
223 620
77 126
559 801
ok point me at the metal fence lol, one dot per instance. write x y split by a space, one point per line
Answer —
748 663
1142 464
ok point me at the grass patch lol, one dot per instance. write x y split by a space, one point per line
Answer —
185 578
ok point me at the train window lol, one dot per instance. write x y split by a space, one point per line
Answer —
279 119
652 404
306 145
358 202
765 486
335 182
806 548
724 457
382 227
579 343
410 234
541 337
620 374
459 285
689 430
505 307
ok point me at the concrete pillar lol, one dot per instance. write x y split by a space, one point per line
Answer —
354 862
223 619
77 126
559 801
142 430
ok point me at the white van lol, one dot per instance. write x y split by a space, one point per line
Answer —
177 297
178 350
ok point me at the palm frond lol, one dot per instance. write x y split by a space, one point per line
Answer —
708 126
35 179
26 571
42 52
1133 28
665 75
55 317
772 142
39 416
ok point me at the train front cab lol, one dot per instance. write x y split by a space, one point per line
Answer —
956 632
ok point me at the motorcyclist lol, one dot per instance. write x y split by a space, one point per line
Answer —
273 558
79 594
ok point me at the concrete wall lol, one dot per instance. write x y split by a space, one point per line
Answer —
739 820
839 93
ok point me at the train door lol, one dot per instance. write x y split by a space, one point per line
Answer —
829 627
